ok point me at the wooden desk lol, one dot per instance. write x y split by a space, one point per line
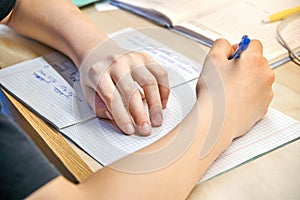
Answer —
272 176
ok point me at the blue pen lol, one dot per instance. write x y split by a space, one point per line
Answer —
243 45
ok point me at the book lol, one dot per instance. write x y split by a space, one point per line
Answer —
81 3
50 86
206 21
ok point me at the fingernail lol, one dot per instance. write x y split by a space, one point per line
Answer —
108 115
129 129
146 128
156 115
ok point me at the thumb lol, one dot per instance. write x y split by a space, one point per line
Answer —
221 50
97 104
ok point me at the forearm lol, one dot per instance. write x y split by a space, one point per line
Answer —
60 25
172 181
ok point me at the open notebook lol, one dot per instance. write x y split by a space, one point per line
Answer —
50 87
206 21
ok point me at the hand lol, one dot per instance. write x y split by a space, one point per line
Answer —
246 83
109 77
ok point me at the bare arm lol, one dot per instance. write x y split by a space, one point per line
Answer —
246 101
59 25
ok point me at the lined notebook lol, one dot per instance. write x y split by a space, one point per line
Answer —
50 87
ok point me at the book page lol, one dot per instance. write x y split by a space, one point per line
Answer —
273 131
159 11
175 11
46 86
232 21
106 143
102 6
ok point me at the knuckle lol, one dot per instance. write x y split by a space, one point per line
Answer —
94 73
162 72
146 56
220 40
130 55
107 97
256 42
131 92
259 61
262 61
133 98
272 76
213 55
92 70
120 58
110 61
150 79
116 61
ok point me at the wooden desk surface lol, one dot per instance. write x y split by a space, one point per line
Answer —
272 176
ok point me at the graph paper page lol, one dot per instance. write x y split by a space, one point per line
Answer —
48 85
274 130
106 143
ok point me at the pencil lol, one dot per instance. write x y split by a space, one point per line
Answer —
282 14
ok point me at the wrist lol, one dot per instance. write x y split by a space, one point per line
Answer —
82 44
215 131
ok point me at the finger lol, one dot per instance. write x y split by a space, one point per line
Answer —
132 98
100 108
138 113
93 100
234 47
121 115
96 103
148 82
161 76
221 50
113 101
255 47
